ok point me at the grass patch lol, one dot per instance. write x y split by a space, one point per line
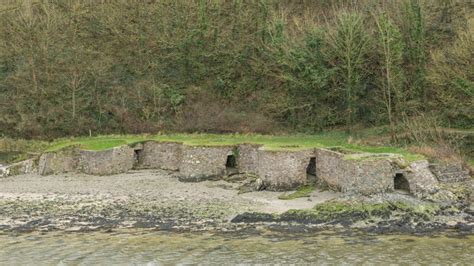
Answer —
471 163
269 142
301 192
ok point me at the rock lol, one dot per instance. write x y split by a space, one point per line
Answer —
236 178
24 167
252 184
198 178
4 171
254 217
259 184
231 171
442 196
464 227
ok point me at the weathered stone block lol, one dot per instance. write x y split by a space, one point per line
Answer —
24 167
247 158
58 162
421 180
107 162
357 176
202 163
4 171
282 170
160 155
449 172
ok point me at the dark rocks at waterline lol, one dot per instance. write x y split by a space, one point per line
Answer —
255 217
198 178
464 227
144 215
384 222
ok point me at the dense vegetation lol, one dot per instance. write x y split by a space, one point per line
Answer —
100 67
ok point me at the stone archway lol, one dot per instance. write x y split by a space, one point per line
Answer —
231 164
137 153
400 182
311 171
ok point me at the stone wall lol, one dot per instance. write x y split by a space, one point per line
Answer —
29 166
4 171
247 158
420 179
357 176
282 170
201 163
160 155
107 162
449 172
62 161
277 170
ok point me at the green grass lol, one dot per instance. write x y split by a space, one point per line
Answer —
284 142
270 142
303 191
471 162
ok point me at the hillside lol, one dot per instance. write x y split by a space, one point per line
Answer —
101 67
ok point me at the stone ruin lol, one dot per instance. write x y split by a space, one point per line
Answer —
421 181
62 161
203 163
159 155
107 162
276 169
350 175
281 170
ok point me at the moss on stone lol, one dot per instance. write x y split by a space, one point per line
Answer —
235 152
270 142
349 212
370 156
301 192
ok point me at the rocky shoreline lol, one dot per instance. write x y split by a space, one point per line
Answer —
156 199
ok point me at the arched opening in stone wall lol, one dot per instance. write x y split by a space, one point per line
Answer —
231 164
401 183
311 171
136 156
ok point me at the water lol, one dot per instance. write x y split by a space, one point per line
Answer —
157 248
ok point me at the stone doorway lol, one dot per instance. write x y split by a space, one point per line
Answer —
231 165
136 157
311 171
401 183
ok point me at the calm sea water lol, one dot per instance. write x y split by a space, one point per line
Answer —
158 248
